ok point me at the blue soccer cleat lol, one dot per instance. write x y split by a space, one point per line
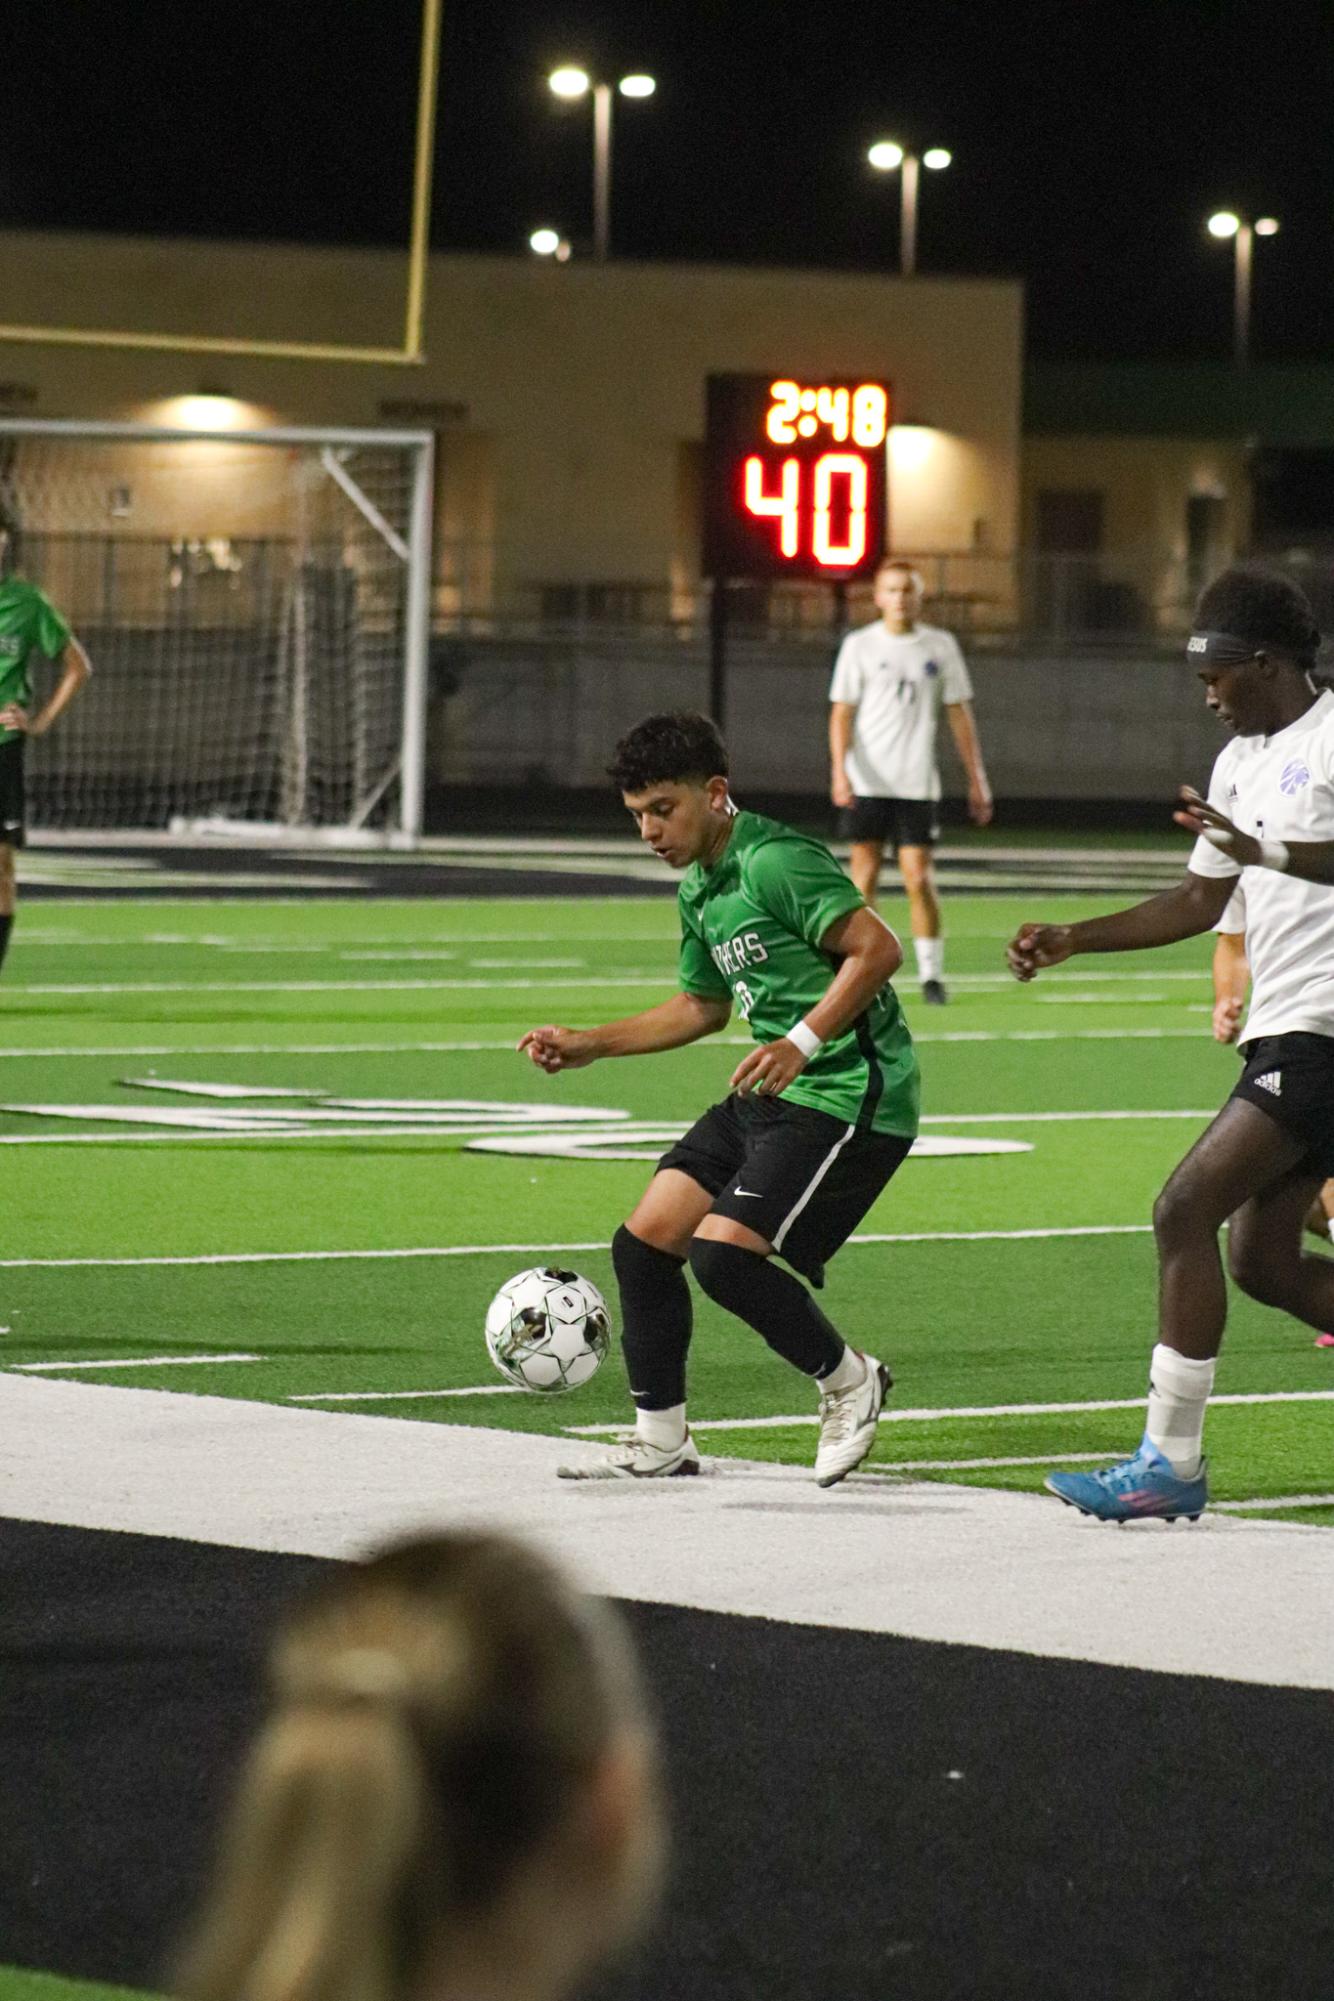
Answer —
1140 1489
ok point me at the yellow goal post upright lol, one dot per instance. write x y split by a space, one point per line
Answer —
256 603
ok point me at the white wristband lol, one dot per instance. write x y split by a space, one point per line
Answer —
804 1038
1274 854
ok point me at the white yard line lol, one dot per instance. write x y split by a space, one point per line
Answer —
406 1396
448 1048
1234 1597
132 1362
108 987
948 1411
547 1250
1281 1501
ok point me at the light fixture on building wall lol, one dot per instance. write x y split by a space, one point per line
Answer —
1225 223
911 444
887 156
570 82
550 243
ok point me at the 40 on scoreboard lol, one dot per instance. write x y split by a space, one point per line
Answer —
796 477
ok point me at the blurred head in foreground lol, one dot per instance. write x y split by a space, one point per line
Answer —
454 1794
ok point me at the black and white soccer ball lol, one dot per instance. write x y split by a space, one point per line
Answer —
548 1330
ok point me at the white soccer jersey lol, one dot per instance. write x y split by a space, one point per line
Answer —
1281 788
898 683
1233 920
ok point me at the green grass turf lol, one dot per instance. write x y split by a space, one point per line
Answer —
341 997
18 1983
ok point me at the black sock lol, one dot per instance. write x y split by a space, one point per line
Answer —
655 1320
771 1301
6 926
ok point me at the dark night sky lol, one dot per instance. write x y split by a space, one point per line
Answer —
1090 140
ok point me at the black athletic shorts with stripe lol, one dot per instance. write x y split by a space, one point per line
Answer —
13 812
797 1177
906 823
1292 1078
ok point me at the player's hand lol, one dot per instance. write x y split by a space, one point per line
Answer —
768 1069
14 716
981 806
840 791
1197 816
1037 945
1227 1019
554 1049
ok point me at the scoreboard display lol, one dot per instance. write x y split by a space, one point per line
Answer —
796 477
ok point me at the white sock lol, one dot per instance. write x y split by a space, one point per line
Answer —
930 958
664 1428
1330 1226
849 1375
1179 1389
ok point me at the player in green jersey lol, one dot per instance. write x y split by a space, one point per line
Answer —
820 1115
30 626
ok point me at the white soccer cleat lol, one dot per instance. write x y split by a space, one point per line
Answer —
848 1419
635 1459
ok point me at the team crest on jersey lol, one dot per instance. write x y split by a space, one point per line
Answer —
932 669
1295 775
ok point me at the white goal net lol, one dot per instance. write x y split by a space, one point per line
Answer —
256 607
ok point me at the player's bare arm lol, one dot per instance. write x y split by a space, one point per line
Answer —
1313 861
75 670
963 728
1231 976
1193 906
841 718
683 1019
869 955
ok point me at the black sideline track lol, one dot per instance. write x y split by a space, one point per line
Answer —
857 1817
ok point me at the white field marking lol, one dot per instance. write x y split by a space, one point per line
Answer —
510 965
401 1396
944 1414
980 1465
35 1051
415 953
131 1362
1282 1501
1107 1000
543 1250
651 979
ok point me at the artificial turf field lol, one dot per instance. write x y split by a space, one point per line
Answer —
323 1255
1020 1278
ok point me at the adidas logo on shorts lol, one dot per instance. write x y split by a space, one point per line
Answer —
1272 1082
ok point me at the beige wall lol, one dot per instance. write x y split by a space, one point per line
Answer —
580 384
1145 484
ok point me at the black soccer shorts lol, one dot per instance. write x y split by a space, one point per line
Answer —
13 815
1292 1078
797 1177
907 823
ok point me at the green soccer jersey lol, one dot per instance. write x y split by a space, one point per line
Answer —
750 932
29 623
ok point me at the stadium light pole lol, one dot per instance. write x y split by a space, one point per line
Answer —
886 155
570 83
1225 223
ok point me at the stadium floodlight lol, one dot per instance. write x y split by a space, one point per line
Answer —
885 156
550 243
571 83
1225 223
258 616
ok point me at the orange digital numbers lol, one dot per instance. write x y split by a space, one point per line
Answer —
826 547
796 481
783 505
796 411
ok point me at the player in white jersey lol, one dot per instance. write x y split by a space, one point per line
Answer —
1231 981
1260 1164
891 681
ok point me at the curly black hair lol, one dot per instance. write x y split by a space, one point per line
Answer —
667 748
1263 607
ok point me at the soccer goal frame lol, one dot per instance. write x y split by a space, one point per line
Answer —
372 490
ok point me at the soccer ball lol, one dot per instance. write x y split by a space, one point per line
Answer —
548 1330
